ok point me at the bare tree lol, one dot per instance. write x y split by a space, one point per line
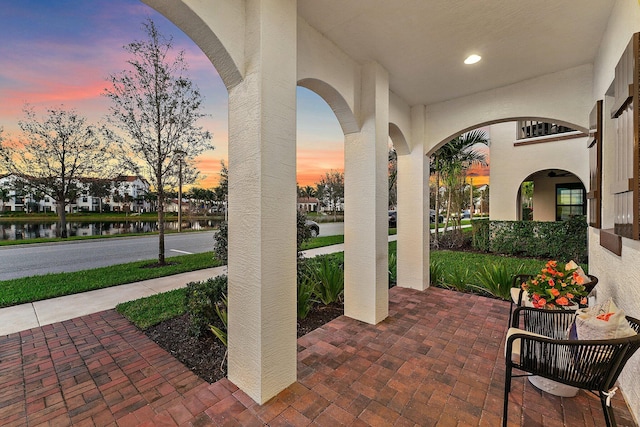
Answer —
155 110
53 155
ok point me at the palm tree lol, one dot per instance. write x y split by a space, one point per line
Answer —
452 162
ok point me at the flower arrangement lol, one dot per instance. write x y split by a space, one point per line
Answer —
557 286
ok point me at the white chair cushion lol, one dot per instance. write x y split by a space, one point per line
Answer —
515 349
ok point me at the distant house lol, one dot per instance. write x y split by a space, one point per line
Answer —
307 204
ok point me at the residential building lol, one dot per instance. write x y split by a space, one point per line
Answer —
395 71
307 204
124 193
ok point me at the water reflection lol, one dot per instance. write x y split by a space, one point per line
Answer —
26 230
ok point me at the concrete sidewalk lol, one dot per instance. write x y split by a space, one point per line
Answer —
45 312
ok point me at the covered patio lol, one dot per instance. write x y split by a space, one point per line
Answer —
437 359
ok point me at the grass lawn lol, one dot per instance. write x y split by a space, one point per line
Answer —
36 288
148 311
154 309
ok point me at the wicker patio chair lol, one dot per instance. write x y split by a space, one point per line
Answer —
592 365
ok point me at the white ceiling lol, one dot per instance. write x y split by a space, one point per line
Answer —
423 43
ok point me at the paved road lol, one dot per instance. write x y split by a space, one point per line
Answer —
36 259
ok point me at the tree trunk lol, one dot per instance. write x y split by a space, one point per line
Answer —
62 218
437 209
161 260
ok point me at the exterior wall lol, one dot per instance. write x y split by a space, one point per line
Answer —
198 18
511 165
544 197
619 276
563 97
400 125
325 69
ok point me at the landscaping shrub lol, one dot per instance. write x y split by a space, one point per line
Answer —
201 299
221 243
221 238
393 269
328 278
221 311
436 272
480 239
305 296
496 279
458 279
561 240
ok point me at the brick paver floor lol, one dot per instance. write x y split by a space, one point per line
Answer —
437 360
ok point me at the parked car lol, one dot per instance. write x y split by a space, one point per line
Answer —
466 214
432 216
393 219
314 228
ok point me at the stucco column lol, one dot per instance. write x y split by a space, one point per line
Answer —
413 208
262 204
366 200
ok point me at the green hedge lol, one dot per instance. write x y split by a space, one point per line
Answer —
562 240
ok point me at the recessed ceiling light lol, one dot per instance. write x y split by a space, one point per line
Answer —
472 59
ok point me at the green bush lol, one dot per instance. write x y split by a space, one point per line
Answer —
328 278
221 308
221 238
480 239
560 240
221 243
305 296
201 299
458 279
496 279
393 269
436 272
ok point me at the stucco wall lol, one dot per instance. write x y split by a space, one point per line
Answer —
511 165
619 275
564 97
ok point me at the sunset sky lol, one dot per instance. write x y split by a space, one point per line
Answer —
60 52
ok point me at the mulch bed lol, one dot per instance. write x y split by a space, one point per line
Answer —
205 355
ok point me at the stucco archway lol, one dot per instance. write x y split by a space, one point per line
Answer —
219 35
557 194
336 101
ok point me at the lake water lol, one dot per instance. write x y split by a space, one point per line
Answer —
26 230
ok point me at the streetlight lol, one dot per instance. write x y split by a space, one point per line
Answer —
180 156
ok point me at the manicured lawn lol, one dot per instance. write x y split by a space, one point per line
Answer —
36 288
146 312
149 311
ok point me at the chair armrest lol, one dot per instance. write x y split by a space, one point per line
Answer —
515 342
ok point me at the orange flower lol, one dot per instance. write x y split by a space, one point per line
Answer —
562 301
569 295
555 292
578 279
583 301
541 302
604 317
551 283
